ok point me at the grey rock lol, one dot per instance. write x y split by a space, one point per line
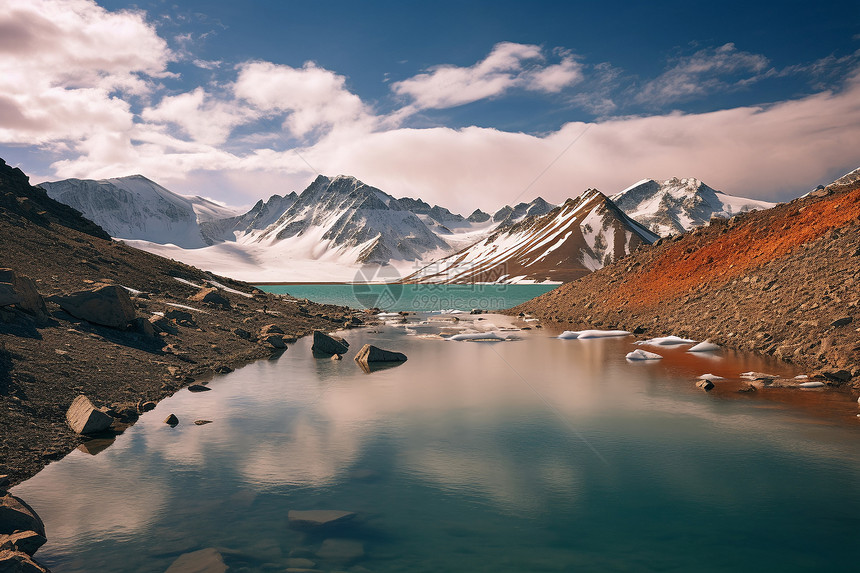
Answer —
171 420
198 388
108 306
24 289
180 316
370 353
276 341
84 418
242 333
207 560
8 295
327 344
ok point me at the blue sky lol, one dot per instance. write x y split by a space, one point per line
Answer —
461 103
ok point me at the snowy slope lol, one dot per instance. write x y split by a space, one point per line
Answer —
678 205
136 208
568 242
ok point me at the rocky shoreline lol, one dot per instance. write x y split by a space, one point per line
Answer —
780 282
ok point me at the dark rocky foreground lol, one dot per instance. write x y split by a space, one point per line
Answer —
783 282
121 348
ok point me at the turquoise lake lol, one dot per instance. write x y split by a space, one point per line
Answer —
533 454
414 297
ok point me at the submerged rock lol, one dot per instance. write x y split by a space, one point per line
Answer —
342 551
84 418
19 562
327 344
207 560
315 518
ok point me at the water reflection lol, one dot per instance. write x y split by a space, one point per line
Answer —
456 443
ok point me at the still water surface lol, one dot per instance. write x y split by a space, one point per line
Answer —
531 455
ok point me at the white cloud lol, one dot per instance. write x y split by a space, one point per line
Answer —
310 96
64 64
205 118
504 68
704 72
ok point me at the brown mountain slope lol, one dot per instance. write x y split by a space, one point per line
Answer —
46 361
783 281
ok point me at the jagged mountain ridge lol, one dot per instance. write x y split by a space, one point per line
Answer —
570 241
678 205
135 207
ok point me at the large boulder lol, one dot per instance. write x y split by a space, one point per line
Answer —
23 289
12 561
84 418
327 344
27 541
211 296
107 305
370 353
207 560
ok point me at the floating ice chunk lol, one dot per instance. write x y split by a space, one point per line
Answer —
388 314
758 376
706 346
477 336
642 355
812 385
602 333
801 377
585 334
711 377
667 341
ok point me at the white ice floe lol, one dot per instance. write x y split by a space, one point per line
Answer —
477 336
758 376
706 346
388 314
801 377
667 341
710 376
812 385
642 355
585 334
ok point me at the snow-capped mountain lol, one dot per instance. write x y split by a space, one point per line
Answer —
136 208
508 215
346 214
678 205
570 241
259 217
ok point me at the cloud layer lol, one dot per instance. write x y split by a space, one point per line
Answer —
94 87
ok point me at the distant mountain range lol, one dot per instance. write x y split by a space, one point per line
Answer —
329 231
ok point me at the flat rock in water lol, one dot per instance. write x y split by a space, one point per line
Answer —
108 306
318 517
705 385
199 388
15 515
370 353
84 418
204 561
327 344
341 550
